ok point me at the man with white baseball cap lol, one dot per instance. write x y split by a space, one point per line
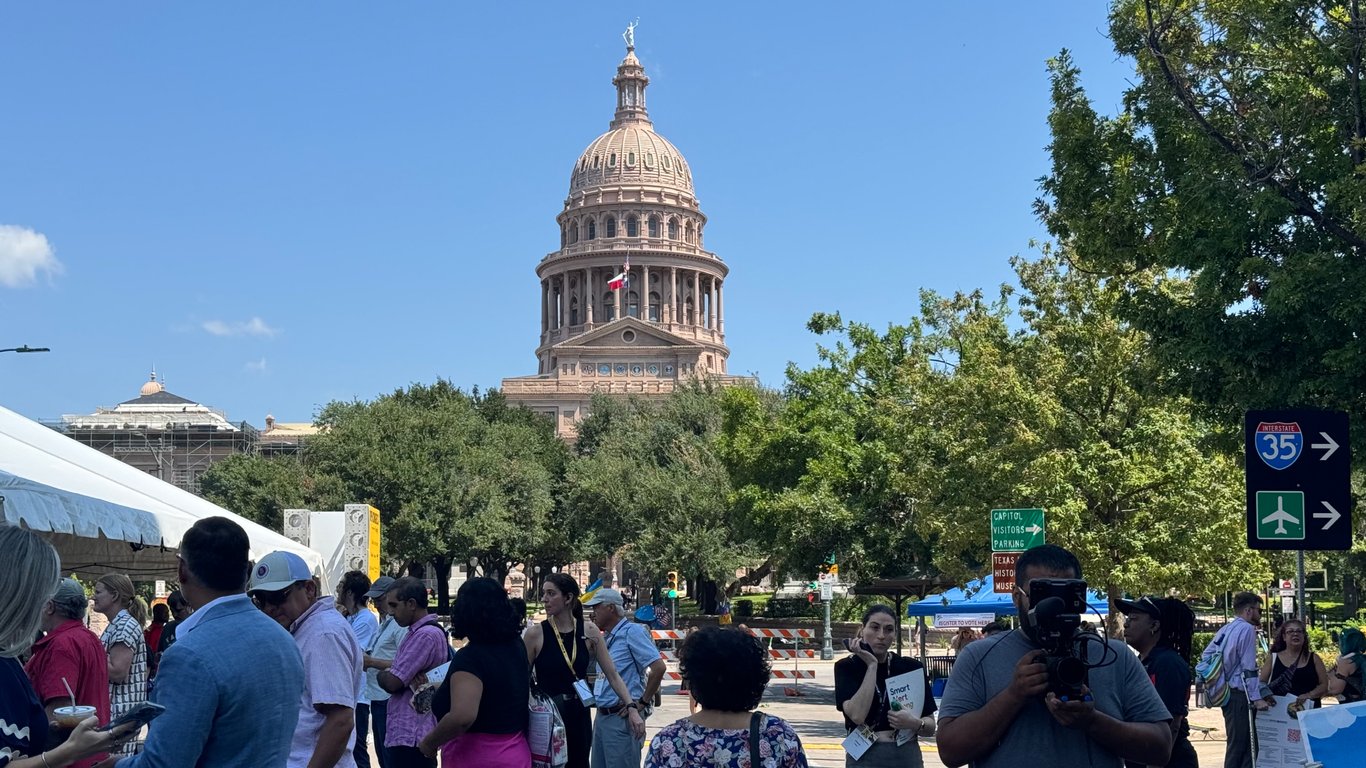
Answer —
284 589
617 739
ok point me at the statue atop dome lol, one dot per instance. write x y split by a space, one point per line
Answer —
630 34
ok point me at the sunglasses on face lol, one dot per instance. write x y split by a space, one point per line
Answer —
272 599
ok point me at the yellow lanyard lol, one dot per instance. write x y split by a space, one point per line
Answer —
571 655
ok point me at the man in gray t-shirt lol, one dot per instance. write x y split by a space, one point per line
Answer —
996 710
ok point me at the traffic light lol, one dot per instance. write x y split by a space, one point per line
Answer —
672 585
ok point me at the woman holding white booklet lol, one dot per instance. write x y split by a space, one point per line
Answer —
886 699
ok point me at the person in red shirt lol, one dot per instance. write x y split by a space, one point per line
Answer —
161 613
69 650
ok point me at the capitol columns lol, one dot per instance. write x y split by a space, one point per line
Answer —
592 295
720 309
545 306
711 304
673 295
644 293
696 297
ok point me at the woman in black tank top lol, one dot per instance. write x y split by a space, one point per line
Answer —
558 649
1292 668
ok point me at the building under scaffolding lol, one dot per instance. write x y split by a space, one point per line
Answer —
165 435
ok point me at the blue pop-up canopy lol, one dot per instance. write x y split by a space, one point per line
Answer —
979 597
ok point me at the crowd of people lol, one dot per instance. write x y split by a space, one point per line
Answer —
252 664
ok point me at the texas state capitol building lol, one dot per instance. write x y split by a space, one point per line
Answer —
630 195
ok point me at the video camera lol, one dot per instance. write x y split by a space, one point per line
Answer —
1053 623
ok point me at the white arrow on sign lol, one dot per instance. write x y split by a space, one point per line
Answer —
1331 515
1331 446
1034 529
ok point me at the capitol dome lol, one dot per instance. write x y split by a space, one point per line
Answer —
630 152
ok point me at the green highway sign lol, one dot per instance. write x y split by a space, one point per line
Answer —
1280 516
1015 530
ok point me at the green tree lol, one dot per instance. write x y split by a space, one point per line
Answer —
260 488
976 405
455 475
818 471
648 482
1072 413
1235 168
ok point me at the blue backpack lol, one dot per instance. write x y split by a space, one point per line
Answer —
1210 671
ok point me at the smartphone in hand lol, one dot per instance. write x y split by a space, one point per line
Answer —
140 715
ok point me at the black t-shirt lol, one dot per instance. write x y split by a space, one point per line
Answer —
23 721
503 670
1171 675
849 673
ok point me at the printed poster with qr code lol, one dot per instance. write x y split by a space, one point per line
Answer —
1280 739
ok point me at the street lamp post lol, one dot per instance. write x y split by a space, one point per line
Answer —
26 349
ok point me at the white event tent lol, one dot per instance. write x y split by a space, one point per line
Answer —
102 514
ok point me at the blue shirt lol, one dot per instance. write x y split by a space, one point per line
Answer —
365 626
632 652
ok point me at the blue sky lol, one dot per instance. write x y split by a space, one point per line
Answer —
279 205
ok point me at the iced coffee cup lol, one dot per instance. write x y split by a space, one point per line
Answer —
70 717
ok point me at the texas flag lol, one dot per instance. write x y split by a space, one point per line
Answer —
622 278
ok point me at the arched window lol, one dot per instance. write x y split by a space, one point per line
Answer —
633 304
592 229
630 159
673 229
687 311
609 306
632 226
564 237
654 226
574 311
654 307
689 232
612 160
611 226
574 232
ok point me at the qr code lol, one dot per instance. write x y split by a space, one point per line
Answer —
1292 736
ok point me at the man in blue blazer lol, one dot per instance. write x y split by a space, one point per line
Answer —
232 681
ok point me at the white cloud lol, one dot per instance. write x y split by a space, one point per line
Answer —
23 254
253 327
1326 722
256 366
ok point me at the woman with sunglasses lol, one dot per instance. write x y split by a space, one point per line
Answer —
1160 629
1292 668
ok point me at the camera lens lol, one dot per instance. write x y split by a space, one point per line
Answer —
1070 672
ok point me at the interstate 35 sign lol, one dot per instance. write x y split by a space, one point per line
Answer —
1299 492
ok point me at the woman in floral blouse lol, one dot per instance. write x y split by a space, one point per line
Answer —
727 671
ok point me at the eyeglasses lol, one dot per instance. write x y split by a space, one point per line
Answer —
275 599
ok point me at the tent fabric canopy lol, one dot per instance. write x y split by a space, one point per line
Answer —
104 515
979 597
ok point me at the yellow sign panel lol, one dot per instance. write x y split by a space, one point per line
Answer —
374 545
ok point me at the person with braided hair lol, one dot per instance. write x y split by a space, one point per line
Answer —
1160 629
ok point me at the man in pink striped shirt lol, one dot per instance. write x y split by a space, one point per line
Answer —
425 648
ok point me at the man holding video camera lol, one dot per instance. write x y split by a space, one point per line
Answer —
1047 693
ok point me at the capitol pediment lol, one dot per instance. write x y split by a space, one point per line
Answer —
627 333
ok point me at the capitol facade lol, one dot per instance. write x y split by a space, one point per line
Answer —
631 213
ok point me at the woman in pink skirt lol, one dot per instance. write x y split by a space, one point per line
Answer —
482 705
